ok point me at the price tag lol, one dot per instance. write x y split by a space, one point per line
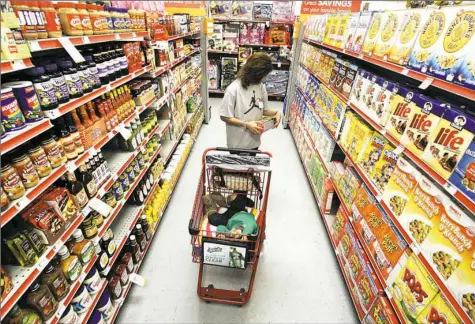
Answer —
51 113
399 149
142 149
108 88
383 131
18 65
360 56
61 309
23 203
71 49
124 132
42 264
34 46
100 207
450 189
86 211
426 83
137 279
414 248
405 71
117 36
388 292
134 35
86 40
71 167
379 198
279 64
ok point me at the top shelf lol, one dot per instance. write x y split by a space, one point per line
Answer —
53 43
438 83
287 22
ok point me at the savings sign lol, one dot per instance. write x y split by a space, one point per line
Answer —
312 8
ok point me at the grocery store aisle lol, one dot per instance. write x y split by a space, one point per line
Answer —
298 279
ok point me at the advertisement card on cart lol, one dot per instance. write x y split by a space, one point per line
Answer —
225 255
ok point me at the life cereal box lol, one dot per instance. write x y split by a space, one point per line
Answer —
456 43
431 31
400 186
374 30
413 289
390 32
350 31
438 311
448 142
402 112
425 119
407 36
382 100
381 312
464 175
384 167
372 153
361 31
450 250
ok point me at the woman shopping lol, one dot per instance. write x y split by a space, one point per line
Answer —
245 103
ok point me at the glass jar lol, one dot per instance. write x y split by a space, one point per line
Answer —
41 299
93 281
81 301
44 88
40 161
54 278
89 227
52 24
25 15
61 90
69 18
105 23
93 72
11 182
117 190
85 18
4 201
98 218
84 77
54 151
25 168
69 264
96 19
40 20
72 79
69 316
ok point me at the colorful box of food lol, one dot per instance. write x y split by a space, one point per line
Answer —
356 263
335 72
359 137
463 176
408 35
338 226
390 32
368 288
448 142
340 31
332 21
348 80
350 31
384 167
381 312
349 185
425 119
220 9
381 107
403 108
400 186
372 153
377 22
438 311
413 289
361 31
360 88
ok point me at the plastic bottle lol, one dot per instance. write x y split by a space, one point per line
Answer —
96 19
40 19
52 24
85 18
107 15
27 19
54 278
69 18
69 264
61 90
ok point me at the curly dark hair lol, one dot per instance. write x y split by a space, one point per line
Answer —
257 67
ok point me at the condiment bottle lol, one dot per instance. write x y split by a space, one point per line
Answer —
101 68
11 182
96 19
104 306
54 151
145 227
72 78
107 15
98 218
66 140
76 189
93 72
82 248
83 73
41 299
89 227
121 272
85 18
54 278
70 20
87 180
4 201
52 23
69 316
74 132
103 262
23 316
108 243
85 117
115 289
93 281
25 168
69 264
128 262
37 239
134 249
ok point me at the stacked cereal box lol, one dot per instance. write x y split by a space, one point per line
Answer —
438 311
463 176
361 31
350 31
390 32
381 312
448 142
374 30
403 108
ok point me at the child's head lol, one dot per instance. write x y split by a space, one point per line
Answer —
257 67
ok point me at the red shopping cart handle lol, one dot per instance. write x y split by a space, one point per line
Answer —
234 150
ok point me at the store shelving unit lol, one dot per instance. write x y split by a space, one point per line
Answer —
297 122
15 65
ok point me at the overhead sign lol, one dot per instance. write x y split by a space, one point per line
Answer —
313 8
194 8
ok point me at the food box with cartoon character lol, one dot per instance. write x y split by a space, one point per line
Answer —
381 312
463 176
361 31
448 142
384 167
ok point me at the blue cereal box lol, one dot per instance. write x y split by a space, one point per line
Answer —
464 175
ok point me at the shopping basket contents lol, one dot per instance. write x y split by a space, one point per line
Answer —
228 220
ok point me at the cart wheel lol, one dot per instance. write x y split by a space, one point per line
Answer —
209 287
242 291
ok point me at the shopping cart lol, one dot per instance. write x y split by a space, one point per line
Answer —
228 265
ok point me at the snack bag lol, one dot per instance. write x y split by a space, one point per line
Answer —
438 311
62 202
413 289
384 167
448 142
379 19
464 175
400 186
402 112
407 36
350 31
390 31
425 119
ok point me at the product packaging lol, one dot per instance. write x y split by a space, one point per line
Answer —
220 9
242 10
262 11
463 176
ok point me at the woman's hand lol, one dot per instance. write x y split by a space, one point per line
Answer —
277 118
254 127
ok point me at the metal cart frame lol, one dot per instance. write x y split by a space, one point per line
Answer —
252 181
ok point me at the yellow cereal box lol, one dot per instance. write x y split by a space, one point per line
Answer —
340 32
438 311
384 168
407 35
372 153
413 289
359 136
450 250
402 112
400 186
390 32
378 20
345 130
330 29
425 119
361 31
448 142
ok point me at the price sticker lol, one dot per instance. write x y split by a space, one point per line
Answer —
71 167
42 264
426 83
399 149
61 309
100 207
279 64
414 248
360 56
383 131
86 40
134 35
18 65
117 36
450 189
343 51
34 46
108 87
137 279
405 71
51 113
86 211
388 293
23 203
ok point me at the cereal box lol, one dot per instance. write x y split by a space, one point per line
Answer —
370 98
382 100
390 32
377 22
425 119
450 249
348 80
407 36
431 32
400 186
372 153
335 72
359 136
346 242
381 312
402 112
330 29
356 263
350 31
456 43
361 31
448 142
345 130
463 176
360 87
438 311
338 226
384 167
413 289
349 185
368 288
340 31
327 66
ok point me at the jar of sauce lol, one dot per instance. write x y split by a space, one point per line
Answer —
40 161
82 248
41 299
108 243
101 68
104 306
105 23
69 316
52 24
4 201
12 117
93 72
128 262
110 199
103 262
85 18
11 182
40 19
72 79
98 218
121 273
115 289
96 19
89 227
124 182
108 17
54 278
27 19
28 101
44 88
69 17
117 190
27 172
85 78
141 239
93 281
54 151
134 249
81 301
69 264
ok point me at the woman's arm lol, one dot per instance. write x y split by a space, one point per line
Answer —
273 113
252 126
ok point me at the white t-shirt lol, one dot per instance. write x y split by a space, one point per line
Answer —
246 105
